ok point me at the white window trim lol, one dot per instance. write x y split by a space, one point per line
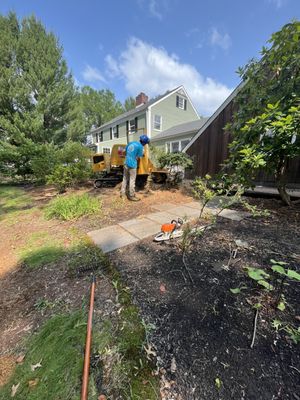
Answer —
155 129
115 132
183 102
105 147
175 141
131 131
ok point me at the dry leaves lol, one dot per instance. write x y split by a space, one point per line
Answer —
14 389
35 366
33 382
20 359
162 288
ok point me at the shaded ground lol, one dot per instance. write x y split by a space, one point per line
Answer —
203 331
30 296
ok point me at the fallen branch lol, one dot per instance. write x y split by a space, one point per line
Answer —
254 329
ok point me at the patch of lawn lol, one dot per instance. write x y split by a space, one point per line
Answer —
13 199
38 257
41 249
73 207
58 347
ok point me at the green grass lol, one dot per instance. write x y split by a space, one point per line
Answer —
73 207
13 199
38 257
40 249
59 347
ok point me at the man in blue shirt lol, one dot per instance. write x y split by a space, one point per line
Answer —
134 150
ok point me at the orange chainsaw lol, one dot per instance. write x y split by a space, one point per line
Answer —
170 231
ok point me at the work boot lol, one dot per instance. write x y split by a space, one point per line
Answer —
133 198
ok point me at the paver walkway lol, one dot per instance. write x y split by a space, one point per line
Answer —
127 232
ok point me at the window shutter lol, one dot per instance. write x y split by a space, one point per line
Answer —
185 102
136 123
101 136
177 101
117 131
127 126
110 129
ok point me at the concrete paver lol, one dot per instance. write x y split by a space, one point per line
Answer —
141 228
127 232
163 206
112 238
234 215
194 204
183 211
162 217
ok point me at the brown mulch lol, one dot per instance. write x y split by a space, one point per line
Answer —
202 331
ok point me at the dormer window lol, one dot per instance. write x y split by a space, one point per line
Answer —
181 102
157 122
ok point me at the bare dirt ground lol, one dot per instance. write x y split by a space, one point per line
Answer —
200 331
203 331
29 296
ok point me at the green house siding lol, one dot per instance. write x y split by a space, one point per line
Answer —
171 114
122 139
161 144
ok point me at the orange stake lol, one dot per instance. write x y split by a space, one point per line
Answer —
87 354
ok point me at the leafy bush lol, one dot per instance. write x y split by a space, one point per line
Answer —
171 159
73 207
73 166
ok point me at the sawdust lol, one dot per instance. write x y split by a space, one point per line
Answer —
7 367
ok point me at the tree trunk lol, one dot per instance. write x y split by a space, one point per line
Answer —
280 177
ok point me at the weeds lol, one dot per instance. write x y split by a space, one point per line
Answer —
271 284
72 207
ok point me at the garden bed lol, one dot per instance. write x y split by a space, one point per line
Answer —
203 331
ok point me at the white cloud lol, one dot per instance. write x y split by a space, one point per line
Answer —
216 39
112 66
152 70
278 3
154 7
91 74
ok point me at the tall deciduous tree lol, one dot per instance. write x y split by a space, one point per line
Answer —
266 127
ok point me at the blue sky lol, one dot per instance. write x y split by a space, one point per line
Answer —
129 46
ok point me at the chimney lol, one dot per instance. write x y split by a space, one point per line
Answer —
141 99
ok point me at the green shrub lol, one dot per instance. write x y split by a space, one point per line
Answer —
73 166
73 207
171 159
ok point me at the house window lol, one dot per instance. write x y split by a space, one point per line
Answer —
181 102
106 150
115 132
157 122
174 147
133 125
184 143
99 137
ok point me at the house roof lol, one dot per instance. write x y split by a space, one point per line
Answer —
181 129
216 113
135 111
